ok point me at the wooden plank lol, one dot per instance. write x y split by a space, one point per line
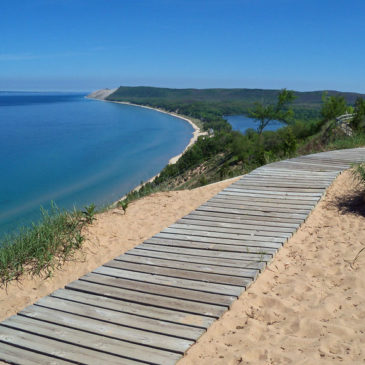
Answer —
276 189
208 253
16 355
215 232
187 306
305 167
281 170
180 273
261 191
100 345
53 348
242 184
261 230
288 199
104 329
120 305
162 290
248 231
230 218
252 177
216 261
211 243
258 207
188 266
197 287
319 164
123 319
262 202
281 217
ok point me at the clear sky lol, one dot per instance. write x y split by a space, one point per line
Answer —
91 44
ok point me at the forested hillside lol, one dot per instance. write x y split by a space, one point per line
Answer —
309 126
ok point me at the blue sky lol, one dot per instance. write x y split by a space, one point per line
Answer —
91 44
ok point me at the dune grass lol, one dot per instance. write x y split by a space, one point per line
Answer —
42 247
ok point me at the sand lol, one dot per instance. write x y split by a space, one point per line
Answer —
308 306
112 234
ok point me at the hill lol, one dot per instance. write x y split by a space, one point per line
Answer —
142 94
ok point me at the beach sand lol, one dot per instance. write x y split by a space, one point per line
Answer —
308 306
112 234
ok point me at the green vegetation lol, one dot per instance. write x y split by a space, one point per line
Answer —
358 122
359 173
333 106
123 204
309 126
210 105
89 213
41 248
279 112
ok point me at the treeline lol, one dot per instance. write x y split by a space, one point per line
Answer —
211 105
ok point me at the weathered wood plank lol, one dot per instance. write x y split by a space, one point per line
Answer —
322 181
245 231
211 243
260 230
216 232
187 306
188 266
183 273
16 355
270 198
54 348
161 290
205 234
216 261
208 253
229 199
93 326
245 185
257 207
230 218
281 217
120 305
123 319
276 191
102 346
170 281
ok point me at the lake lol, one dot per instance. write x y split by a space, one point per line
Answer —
242 123
75 151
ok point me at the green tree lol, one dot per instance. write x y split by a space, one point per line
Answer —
265 115
358 121
332 107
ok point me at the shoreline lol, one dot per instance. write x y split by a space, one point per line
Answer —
195 135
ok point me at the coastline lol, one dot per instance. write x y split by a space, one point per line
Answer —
196 134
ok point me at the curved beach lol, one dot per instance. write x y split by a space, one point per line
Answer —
196 134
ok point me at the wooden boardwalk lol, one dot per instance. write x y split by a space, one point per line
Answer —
152 303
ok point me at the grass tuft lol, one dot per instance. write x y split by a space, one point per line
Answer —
42 247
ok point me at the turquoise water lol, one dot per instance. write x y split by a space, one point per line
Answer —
242 123
62 147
